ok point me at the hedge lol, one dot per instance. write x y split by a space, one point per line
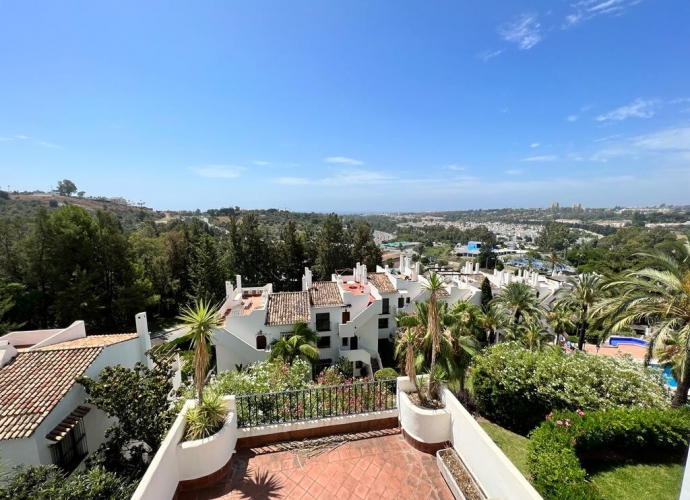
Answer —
556 445
515 387
385 374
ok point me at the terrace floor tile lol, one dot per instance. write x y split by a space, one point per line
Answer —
380 464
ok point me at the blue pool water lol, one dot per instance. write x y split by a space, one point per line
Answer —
669 378
614 341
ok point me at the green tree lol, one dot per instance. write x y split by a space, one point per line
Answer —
581 294
553 258
555 236
560 318
300 343
406 346
492 320
487 294
138 399
66 187
433 285
331 248
364 248
202 319
659 294
292 256
518 301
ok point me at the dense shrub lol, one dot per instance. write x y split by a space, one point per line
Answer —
385 374
265 376
516 387
344 366
555 446
47 482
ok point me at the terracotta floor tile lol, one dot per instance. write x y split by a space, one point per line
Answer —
367 480
361 491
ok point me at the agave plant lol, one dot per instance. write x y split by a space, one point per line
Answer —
206 418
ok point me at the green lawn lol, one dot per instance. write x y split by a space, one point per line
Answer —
656 481
648 481
513 445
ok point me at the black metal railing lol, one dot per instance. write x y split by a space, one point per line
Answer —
315 402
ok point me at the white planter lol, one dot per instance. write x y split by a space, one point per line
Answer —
423 425
202 457
450 480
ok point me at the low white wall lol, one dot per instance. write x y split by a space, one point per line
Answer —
425 426
173 461
264 430
202 457
495 472
161 477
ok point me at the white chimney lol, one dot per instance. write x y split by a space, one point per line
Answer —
228 290
238 280
144 338
363 274
415 276
7 352
402 262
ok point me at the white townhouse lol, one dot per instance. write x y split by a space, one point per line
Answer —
350 314
43 417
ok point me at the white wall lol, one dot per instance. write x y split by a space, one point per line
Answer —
174 462
493 470
425 426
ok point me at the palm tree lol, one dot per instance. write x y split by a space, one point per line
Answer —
581 294
518 300
560 318
201 319
299 343
534 337
406 346
492 321
434 285
670 354
464 320
659 294
553 258
531 255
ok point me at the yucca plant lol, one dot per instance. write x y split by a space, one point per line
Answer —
206 418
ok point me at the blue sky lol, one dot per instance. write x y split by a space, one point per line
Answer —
349 105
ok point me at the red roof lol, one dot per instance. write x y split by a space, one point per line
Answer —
34 383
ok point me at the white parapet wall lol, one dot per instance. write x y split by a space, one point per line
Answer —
491 468
176 461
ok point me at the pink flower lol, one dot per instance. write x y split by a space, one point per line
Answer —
581 413
567 422
559 422
549 416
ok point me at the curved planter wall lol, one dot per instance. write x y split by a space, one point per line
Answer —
430 428
203 457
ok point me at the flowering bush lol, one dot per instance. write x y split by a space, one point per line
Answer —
264 376
556 445
516 387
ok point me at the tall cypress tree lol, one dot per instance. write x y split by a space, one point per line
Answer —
487 294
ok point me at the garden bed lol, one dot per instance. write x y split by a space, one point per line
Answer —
426 403
460 481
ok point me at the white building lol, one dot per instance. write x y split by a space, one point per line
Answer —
43 417
350 313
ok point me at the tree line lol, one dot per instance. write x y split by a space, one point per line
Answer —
72 264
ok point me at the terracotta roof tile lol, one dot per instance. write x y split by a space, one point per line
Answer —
381 282
68 423
34 383
442 293
325 293
91 341
287 308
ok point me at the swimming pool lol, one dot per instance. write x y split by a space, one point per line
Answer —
614 341
669 378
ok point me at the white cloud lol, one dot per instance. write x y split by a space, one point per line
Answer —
588 9
524 32
541 158
342 177
672 139
261 163
680 100
21 137
219 171
489 54
454 167
637 109
343 160
534 145
572 118
514 171
47 144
